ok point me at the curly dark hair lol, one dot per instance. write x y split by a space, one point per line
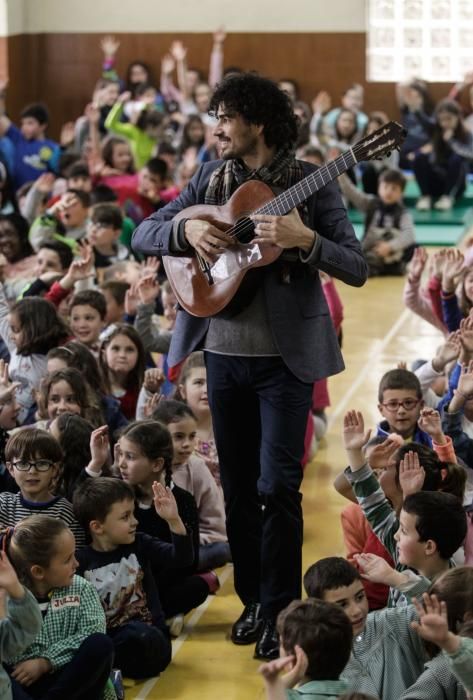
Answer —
259 101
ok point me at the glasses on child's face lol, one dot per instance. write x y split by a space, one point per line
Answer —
41 465
407 404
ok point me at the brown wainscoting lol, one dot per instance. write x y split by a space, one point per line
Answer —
61 69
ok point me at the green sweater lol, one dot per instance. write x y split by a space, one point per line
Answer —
74 613
142 146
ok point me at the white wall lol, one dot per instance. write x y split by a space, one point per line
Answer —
37 16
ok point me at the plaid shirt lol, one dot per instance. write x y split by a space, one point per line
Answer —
436 683
74 613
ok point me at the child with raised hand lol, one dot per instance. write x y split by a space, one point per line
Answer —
143 136
33 458
154 339
431 525
454 272
70 656
21 623
190 473
144 454
316 640
34 153
122 361
30 328
433 627
86 452
438 679
120 564
65 221
433 374
457 413
419 299
387 655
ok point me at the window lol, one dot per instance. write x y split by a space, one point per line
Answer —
428 39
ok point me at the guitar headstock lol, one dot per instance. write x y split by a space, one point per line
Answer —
380 143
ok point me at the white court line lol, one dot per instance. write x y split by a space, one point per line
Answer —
188 628
194 619
367 368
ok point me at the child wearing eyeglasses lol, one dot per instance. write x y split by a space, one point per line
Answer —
400 403
33 458
416 509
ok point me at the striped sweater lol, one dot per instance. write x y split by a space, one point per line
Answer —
14 508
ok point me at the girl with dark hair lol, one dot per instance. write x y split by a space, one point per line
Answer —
30 328
145 454
441 167
78 356
122 361
191 473
65 391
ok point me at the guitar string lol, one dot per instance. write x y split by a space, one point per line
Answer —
299 188
282 201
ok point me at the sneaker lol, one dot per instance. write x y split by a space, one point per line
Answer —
176 625
444 203
424 203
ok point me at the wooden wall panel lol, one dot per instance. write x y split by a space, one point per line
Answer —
61 69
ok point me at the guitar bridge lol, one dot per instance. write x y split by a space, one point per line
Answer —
206 269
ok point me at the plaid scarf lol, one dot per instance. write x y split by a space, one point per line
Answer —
280 174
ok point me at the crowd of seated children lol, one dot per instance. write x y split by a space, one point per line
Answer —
108 464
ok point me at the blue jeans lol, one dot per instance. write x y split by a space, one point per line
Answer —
259 413
213 555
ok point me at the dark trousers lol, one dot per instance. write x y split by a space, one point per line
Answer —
180 595
259 412
435 179
84 678
141 650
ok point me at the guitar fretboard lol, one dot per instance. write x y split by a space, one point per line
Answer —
302 190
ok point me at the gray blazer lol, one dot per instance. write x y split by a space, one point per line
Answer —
298 313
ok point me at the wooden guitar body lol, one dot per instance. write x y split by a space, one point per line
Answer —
190 285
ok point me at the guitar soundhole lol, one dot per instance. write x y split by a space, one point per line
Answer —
244 230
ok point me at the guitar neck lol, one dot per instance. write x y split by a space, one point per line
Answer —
302 190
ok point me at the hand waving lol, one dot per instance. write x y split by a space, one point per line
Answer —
411 474
354 434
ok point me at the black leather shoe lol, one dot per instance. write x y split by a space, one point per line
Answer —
267 646
246 629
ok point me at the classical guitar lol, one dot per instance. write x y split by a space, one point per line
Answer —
203 289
